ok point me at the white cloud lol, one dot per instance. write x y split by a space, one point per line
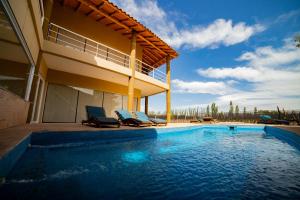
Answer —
239 73
265 64
287 16
273 75
219 32
269 57
198 87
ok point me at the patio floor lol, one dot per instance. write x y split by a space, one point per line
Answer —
10 137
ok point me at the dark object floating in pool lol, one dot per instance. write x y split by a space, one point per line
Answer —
231 128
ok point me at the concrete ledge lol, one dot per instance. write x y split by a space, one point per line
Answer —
9 160
289 137
74 138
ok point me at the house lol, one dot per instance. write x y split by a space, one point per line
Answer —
57 56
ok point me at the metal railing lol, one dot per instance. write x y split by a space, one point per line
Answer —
149 70
78 42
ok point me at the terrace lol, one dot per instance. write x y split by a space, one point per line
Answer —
69 39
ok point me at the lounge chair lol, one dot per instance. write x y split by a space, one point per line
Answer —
267 119
142 116
97 116
127 119
197 120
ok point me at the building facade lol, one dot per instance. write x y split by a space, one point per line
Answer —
57 56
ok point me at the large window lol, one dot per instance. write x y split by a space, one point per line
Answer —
87 97
14 65
61 104
67 103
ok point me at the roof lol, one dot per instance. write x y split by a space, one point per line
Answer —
155 50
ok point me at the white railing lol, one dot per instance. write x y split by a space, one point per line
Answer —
149 70
78 42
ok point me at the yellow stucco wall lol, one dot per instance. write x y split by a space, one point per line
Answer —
64 78
83 25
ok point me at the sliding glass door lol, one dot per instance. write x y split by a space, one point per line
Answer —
67 103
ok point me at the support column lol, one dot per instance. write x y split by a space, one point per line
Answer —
47 15
146 105
132 67
168 92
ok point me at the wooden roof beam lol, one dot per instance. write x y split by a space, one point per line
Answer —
127 33
146 56
118 29
99 19
77 7
114 12
133 26
157 63
85 2
151 54
124 20
109 24
88 13
143 43
148 36
88 4
147 41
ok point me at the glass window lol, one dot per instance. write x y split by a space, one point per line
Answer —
14 65
67 103
61 104
125 102
112 102
87 97
135 104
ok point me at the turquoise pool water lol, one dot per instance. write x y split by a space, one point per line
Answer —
203 163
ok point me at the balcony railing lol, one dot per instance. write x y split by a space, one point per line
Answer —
78 42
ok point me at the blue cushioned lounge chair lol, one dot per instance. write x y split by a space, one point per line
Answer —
142 116
96 115
267 119
128 119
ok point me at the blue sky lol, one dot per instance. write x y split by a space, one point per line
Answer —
239 50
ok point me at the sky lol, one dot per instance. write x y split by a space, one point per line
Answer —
235 50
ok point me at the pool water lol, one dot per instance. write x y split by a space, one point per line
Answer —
203 163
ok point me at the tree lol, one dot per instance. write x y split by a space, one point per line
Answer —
255 111
214 109
244 112
207 111
237 110
297 40
230 109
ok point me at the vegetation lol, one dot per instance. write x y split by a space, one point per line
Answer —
297 40
233 114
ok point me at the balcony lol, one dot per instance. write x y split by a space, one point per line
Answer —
69 39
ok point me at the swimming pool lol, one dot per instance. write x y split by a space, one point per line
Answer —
210 162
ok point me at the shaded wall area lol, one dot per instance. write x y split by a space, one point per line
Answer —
13 109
